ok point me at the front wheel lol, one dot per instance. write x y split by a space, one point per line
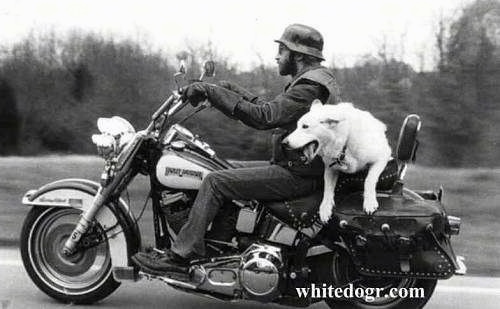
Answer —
82 278
415 293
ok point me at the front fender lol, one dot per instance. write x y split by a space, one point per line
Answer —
124 239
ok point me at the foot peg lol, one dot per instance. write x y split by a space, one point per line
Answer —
127 273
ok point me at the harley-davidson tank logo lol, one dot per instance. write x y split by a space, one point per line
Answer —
183 172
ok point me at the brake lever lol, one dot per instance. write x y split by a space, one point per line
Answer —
206 104
197 109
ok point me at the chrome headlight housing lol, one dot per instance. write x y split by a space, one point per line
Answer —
116 133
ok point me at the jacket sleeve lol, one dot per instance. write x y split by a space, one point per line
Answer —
285 109
245 94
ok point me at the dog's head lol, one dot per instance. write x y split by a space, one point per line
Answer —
316 129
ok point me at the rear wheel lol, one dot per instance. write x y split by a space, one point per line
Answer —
84 277
341 272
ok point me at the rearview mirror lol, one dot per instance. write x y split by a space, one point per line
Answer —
182 57
209 68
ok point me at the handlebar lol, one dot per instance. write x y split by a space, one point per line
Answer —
165 106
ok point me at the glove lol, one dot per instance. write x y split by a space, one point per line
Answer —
220 98
195 93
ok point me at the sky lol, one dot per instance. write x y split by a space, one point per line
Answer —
243 30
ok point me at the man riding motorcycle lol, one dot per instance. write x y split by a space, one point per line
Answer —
288 176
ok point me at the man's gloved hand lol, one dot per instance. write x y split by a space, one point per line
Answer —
195 93
221 98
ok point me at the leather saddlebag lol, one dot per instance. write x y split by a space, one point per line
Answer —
403 238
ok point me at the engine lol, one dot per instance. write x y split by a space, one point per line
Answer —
254 275
260 272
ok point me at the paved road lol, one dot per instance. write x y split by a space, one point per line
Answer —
17 291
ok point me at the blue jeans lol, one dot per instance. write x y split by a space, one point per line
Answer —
262 182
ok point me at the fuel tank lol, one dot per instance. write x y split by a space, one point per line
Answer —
183 169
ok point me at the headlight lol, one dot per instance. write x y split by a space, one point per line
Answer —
106 145
116 132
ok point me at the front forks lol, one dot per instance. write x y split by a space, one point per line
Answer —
85 222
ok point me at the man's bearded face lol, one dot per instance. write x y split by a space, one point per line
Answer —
284 58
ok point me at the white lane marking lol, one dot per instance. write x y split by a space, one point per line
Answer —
11 263
10 257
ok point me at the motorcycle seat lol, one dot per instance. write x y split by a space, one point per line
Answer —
302 212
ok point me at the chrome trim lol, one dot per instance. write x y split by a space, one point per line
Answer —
453 225
317 250
462 268
168 281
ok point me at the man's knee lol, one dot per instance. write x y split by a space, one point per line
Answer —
213 179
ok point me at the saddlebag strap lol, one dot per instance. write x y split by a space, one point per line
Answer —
404 244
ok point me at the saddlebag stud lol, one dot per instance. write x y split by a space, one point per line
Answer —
385 227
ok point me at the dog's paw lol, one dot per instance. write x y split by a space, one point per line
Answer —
370 206
325 211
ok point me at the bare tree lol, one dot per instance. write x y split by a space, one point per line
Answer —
440 42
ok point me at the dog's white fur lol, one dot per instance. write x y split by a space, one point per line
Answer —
332 127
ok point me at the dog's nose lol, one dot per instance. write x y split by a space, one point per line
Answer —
285 142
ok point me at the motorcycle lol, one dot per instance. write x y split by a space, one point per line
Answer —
79 236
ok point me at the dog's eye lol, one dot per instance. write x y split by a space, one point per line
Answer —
305 126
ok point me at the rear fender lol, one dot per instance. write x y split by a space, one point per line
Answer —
124 239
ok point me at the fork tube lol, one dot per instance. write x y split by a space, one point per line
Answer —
123 167
84 223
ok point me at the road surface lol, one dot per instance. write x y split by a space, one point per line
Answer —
17 291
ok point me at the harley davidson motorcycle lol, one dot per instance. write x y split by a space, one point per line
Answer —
79 236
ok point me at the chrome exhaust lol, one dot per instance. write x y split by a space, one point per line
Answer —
462 268
453 225
169 281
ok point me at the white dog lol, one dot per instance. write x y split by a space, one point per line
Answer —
348 140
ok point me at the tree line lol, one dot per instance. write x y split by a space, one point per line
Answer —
52 90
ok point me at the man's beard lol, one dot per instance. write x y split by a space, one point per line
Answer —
289 67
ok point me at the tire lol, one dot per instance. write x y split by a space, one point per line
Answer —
84 278
341 272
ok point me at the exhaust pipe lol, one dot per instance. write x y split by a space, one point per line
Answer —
453 225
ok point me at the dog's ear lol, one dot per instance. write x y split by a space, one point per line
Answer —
315 104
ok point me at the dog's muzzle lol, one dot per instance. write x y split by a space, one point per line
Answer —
310 150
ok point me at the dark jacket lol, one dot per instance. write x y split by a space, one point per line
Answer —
282 112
